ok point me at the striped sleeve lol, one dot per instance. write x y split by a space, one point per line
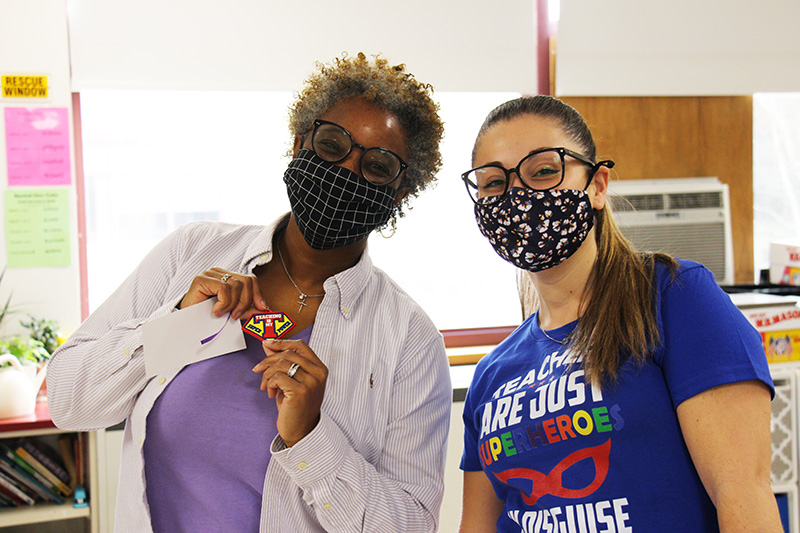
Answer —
400 492
94 377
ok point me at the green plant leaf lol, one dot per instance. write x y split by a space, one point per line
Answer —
46 331
25 349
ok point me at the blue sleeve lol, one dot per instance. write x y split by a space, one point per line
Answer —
707 341
470 460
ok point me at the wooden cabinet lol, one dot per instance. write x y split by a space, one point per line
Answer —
39 424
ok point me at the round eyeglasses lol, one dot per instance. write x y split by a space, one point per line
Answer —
540 170
333 143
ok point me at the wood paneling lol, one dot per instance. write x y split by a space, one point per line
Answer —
682 137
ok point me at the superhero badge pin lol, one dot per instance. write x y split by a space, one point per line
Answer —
268 325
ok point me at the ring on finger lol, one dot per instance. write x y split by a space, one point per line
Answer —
224 278
292 370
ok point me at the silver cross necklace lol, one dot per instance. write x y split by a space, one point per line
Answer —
303 296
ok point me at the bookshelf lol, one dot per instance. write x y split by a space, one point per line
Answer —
39 424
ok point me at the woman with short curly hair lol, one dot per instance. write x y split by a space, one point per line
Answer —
389 87
332 414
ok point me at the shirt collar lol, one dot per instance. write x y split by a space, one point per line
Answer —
350 284
347 285
260 250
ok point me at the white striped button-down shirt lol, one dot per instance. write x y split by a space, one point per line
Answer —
375 461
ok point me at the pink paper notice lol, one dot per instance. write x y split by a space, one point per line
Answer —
37 146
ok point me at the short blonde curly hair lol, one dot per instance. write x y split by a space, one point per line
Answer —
388 87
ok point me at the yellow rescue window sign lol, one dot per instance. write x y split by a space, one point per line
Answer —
24 86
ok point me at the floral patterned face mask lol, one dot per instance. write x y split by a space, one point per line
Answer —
536 230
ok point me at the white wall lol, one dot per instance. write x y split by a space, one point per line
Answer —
470 45
240 44
678 48
33 41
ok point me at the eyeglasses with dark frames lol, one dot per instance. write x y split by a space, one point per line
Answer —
540 170
333 143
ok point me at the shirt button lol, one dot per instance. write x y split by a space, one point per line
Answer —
140 441
327 507
126 352
266 257
346 310
161 380
302 465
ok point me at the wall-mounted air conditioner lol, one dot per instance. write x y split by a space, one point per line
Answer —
689 218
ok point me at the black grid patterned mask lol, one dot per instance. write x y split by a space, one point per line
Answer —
332 205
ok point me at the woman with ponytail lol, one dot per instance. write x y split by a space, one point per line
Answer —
635 396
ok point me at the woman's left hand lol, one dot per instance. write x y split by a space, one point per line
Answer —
299 397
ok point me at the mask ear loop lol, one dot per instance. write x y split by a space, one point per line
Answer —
608 163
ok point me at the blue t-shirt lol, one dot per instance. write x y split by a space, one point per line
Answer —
566 457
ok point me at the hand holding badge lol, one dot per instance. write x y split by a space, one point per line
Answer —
271 325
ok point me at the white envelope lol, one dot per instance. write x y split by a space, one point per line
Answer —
175 340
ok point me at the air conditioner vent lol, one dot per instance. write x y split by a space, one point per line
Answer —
695 200
638 202
686 217
701 242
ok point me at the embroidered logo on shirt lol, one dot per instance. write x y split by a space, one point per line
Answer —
268 325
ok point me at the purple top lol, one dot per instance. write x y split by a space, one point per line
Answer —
207 447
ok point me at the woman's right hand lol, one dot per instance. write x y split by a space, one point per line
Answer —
236 293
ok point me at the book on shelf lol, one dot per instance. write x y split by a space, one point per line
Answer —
13 471
8 455
66 443
10 489
8 497
80 459
47 456
8 501
23 454
22 487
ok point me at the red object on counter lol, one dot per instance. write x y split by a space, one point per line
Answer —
39 419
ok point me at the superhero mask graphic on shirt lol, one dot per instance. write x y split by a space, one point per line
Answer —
534 484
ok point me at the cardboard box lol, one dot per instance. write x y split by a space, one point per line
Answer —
784 263
777 318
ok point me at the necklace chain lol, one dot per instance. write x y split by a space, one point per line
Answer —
303 296
562 343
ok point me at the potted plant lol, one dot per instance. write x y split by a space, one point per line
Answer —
34 349
44 332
